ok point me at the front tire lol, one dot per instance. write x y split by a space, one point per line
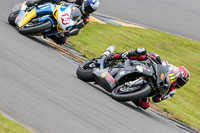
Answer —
12 17
122 96
36 28
84 72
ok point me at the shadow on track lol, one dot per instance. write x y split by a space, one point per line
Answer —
34 38
129 105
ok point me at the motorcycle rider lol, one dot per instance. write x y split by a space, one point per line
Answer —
177 76
86 7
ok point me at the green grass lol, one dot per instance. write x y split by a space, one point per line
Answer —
9 126
184 106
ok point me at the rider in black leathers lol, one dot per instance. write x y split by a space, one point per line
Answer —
176 78
86 6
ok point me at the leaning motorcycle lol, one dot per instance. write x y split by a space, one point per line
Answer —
127 79
45 19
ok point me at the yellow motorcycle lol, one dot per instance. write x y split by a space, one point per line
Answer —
46 18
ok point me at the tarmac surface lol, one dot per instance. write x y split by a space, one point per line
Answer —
39 89
180 17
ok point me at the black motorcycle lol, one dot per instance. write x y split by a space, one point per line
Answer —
126 79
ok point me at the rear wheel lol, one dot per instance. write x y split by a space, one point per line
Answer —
123 93
12 17
35 28
85 71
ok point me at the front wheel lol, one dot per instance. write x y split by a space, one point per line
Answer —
12 17
85 71
34 28
123 93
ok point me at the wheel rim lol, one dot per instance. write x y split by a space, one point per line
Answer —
89 65
32 24
125 90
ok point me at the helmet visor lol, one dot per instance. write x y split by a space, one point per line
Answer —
86 7
180 82
89 9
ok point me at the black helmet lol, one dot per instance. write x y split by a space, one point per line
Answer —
183 76
89 6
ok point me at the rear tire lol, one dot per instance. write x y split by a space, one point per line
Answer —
129 96
85 74
36 28
11 18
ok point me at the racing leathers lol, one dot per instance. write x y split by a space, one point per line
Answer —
62 38
142 54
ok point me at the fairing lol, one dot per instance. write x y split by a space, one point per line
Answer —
25 17
65 15
134 68
65 20
104 79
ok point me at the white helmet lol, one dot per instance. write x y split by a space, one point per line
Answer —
89 6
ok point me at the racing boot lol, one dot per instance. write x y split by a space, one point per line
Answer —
143 103
58 39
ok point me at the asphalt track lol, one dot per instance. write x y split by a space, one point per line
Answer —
39 88
180 17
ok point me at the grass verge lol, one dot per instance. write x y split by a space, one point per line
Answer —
184 106
9 126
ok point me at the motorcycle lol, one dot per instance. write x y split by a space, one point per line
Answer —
45 19
125 79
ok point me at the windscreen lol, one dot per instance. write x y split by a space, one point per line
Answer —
75 14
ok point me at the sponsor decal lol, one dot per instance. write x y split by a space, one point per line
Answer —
110 78
172 77
144 68
104 74
122 73
162 76
139 68
107 76
65 19
63 8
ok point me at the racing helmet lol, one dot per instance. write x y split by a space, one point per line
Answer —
183 76
89 6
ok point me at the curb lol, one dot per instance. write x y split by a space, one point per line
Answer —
103 19
95 20
129 22
119 20
65 50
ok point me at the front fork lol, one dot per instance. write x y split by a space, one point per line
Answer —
135 83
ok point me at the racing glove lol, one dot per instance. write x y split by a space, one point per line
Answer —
116 56
158 98
155 57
